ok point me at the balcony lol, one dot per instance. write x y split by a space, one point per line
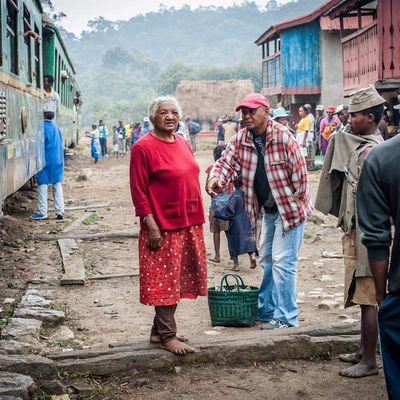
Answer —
361 58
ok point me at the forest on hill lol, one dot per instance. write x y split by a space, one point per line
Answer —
121 65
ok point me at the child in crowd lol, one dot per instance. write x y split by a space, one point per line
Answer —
217 225
115 142
241 237
95 143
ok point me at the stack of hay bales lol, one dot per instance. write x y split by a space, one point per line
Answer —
206 101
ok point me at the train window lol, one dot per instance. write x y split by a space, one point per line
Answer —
37 60
12 35
28 42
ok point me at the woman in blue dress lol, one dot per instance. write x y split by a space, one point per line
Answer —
95 143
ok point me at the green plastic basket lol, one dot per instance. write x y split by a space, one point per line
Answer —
232 305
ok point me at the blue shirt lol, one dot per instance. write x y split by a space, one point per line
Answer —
53 170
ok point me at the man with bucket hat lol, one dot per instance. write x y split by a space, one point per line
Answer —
281 116
274 174
337 196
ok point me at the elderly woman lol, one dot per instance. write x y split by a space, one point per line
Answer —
166 193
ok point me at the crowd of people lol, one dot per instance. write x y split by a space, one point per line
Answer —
259 178
122 138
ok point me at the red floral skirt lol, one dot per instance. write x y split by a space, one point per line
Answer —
176 270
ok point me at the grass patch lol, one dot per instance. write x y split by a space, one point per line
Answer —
70 343
9 313
76 375
91 219
58 308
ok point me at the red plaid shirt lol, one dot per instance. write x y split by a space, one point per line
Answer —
285 167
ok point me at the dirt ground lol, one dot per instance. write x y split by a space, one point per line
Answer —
108 310
295 380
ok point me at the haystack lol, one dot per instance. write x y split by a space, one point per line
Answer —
206 101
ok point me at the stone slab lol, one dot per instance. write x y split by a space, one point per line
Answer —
63 333
35 366
33 300
15 347
25 330
264 348
10 398
49 317
16 385
74 269
47 294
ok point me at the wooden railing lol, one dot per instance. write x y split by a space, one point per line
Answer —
361 57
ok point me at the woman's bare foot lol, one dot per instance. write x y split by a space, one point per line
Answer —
215 259
177 347
156 339
359 370
235 267
353 358
253 263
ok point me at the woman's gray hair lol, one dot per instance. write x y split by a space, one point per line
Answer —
162 99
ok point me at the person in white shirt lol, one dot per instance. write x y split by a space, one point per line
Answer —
51 101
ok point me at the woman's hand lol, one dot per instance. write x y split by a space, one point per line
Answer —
154 238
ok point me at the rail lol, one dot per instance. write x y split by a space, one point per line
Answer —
361 57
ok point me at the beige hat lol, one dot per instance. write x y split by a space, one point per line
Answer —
364 98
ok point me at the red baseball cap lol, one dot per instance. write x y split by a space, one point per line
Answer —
253 100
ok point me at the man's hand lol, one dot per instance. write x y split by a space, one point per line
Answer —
214 186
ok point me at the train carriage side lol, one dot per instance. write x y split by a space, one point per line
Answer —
21 107
56 62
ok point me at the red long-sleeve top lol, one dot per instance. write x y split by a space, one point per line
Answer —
164 181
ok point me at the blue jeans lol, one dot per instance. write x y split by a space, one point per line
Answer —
389 329
278 257
58 198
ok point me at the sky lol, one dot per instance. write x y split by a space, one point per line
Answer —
79 12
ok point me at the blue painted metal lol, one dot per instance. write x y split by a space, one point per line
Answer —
300 47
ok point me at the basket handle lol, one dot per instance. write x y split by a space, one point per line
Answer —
238 279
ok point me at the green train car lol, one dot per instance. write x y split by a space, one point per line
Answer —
57 63
23 61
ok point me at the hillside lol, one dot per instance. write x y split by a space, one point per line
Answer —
121 65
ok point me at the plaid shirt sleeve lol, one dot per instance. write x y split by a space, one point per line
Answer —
229 163
298 169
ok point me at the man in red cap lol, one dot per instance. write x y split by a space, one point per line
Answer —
274 174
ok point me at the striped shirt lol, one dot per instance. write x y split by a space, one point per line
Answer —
285 167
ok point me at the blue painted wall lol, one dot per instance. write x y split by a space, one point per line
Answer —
300 48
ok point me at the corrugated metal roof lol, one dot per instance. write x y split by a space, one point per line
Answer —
303 19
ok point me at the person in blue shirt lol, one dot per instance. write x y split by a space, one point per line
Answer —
146 125
241 234
103 133
53 171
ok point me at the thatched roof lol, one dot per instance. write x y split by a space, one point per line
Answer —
209 100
